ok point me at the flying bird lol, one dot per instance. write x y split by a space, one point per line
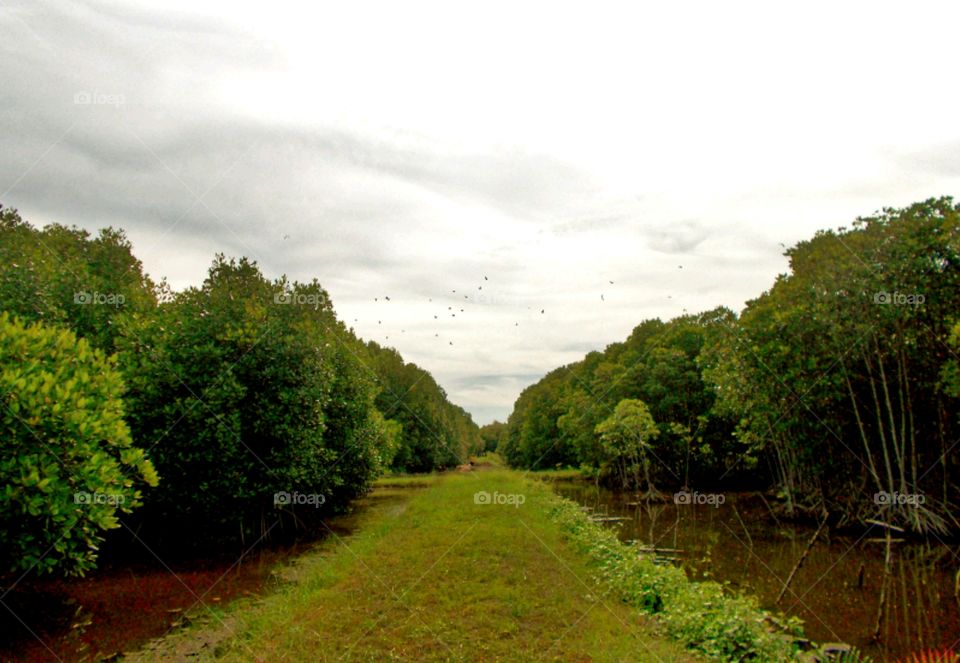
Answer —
611 282
541 311
485 278
602 299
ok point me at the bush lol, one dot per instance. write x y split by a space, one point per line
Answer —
246 388
699 614
67 463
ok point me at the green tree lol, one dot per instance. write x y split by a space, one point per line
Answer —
245 388
627 439
67 462
63 276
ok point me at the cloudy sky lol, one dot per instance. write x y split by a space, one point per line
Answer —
412 149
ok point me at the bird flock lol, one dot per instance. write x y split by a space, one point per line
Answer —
463 308
453 309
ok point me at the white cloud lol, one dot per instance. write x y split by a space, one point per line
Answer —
412 148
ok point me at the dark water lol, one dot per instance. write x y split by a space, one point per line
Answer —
740 543
119 609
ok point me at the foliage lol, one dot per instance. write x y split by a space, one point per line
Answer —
61 275
491 434
67 462
836 372
434 433
245 388
626 437
699 614
838 386
555 421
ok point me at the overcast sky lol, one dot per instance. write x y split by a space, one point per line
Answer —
410 149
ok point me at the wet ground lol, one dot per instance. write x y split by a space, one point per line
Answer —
836 591
119 609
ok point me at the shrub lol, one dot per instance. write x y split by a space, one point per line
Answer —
246 388
699 614
67 463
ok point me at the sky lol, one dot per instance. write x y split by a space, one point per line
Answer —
525 155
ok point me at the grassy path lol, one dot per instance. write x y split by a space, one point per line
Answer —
447 579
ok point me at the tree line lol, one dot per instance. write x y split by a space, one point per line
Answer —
838 387
232 411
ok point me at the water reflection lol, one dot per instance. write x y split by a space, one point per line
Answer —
837 589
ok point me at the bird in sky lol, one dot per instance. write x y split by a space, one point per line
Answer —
602 299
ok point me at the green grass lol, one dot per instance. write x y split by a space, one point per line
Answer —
558 474
446 579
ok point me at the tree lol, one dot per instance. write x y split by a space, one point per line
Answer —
67 461
434 433
626 437
246 388
61 275
491 435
